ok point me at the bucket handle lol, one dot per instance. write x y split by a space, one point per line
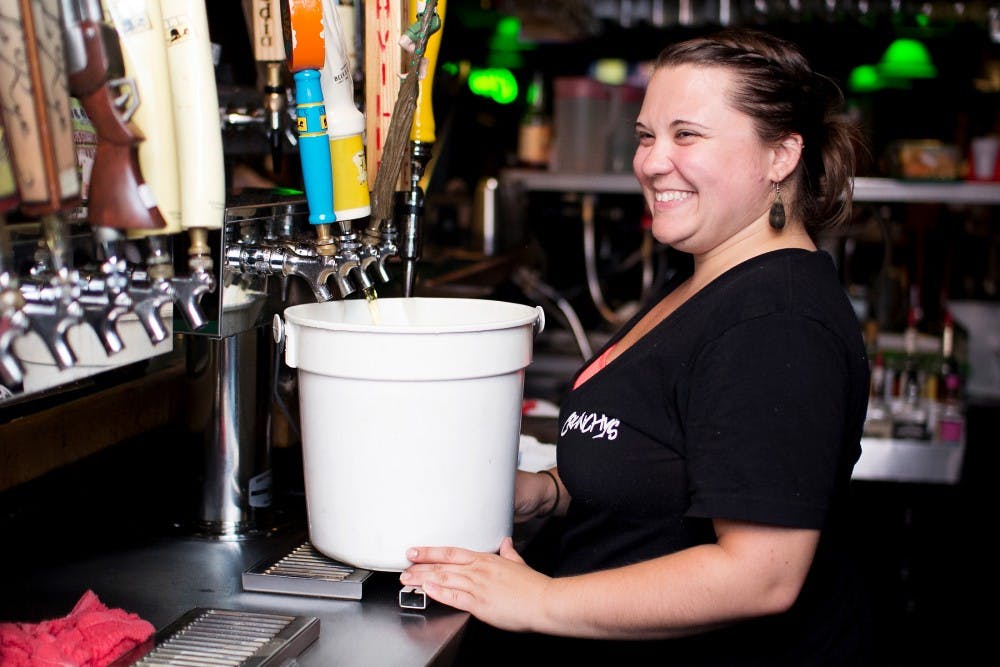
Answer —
283 339
539 323
280 335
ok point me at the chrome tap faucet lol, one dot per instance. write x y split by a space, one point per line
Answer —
52 308
13 324
284 259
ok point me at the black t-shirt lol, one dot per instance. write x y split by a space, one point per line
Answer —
746 403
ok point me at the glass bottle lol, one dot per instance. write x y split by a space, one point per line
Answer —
910 417
951 420
534 135
878 421
949 376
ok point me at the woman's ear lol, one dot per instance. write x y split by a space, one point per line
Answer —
786 157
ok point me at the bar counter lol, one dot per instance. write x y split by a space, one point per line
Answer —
106 524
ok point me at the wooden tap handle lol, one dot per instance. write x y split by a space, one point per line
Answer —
34 97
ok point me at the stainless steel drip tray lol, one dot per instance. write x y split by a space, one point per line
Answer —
205 637
305 571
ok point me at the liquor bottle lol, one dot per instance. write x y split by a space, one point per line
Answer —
910 385
878 420
534 135
951 421
949 375
910 415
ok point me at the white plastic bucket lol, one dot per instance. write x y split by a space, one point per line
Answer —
410 426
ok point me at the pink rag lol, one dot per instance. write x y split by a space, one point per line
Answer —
92 635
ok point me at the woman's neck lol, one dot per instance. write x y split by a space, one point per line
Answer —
710 265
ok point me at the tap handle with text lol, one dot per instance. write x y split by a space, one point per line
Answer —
118 196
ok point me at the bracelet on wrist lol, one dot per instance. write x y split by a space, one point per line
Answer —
555 505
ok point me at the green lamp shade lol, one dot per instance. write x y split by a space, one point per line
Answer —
907 59
494 82
865 79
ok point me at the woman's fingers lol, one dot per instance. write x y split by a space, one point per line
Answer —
454 555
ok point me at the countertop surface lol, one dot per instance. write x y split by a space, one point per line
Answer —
105 525
166 577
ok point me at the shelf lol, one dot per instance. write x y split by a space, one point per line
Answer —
866 189
922 461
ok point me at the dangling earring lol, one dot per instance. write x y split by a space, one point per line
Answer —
777 217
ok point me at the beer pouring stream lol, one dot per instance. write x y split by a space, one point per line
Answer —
35 102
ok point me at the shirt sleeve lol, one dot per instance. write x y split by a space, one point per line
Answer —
766 420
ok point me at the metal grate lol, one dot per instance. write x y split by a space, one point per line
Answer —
227 638
305 571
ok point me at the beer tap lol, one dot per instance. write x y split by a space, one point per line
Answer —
410 204
307 55
36 111
140 31
118 198
284 259
269 48
199 139
345 129
13 321
381 225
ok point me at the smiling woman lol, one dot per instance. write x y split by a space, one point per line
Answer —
702 495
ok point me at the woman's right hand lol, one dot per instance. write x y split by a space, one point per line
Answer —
534 495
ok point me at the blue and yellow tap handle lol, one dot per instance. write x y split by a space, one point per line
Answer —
306 53
314 146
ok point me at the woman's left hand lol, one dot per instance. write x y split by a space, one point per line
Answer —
499 589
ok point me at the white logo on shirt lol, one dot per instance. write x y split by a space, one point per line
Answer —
588 422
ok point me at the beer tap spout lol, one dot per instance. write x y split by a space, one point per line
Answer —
285 259
105 297
13 324
373 259
52 308
149 296
350 276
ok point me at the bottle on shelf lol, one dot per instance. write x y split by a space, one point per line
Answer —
951 420
878 421
534 134
910 418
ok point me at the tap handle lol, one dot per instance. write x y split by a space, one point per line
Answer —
274 102
140 37
314 147
118 196
269 48
423 129
346 123
196 113
306 53
34 100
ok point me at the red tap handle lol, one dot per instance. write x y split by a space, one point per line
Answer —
118 196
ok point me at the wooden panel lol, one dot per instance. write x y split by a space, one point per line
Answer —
38 443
